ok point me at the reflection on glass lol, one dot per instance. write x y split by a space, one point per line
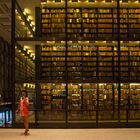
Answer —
53 98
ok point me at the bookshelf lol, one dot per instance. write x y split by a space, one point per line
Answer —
97 61
53 22
91 61
88 23
53 62
129 60
130 100
82 23
90 96
129 23
85 61
53 96
24 67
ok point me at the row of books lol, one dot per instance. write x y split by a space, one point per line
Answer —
89 10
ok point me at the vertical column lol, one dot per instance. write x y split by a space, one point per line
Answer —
4 71
38 22
38 62
66 69
38 100
113 100
97 108
13 61
97 75
9 72
119 72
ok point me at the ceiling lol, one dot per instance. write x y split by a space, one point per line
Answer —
5 19
5 15
30 6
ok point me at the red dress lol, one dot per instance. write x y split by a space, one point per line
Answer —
24 107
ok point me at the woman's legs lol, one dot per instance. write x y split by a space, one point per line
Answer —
23 118
26 124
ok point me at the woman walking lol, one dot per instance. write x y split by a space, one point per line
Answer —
23 108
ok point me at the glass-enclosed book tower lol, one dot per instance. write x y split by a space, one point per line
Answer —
88 63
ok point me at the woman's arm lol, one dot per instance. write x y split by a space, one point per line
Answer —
26 100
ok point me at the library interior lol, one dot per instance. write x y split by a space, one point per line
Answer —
79 61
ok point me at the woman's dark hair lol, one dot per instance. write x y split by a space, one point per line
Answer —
25 91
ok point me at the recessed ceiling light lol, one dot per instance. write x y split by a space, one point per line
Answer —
26 11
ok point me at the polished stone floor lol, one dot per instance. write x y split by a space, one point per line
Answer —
71 134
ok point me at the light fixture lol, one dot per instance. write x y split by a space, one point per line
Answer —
16 11
33 28
26 11
19 17
43 3
22 23
34 58
62 41
28 18
134 84
31 24
24 49
28 52
69 41
137 1
29 32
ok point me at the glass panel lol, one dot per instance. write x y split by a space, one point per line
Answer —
53 61
25 18
134 103
89 62
25 76
5 63
124 101
124 62
108 116
51 116
107 60
53 97
129 23
82 102
74 62
108 102
134 58
74 96
53 20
